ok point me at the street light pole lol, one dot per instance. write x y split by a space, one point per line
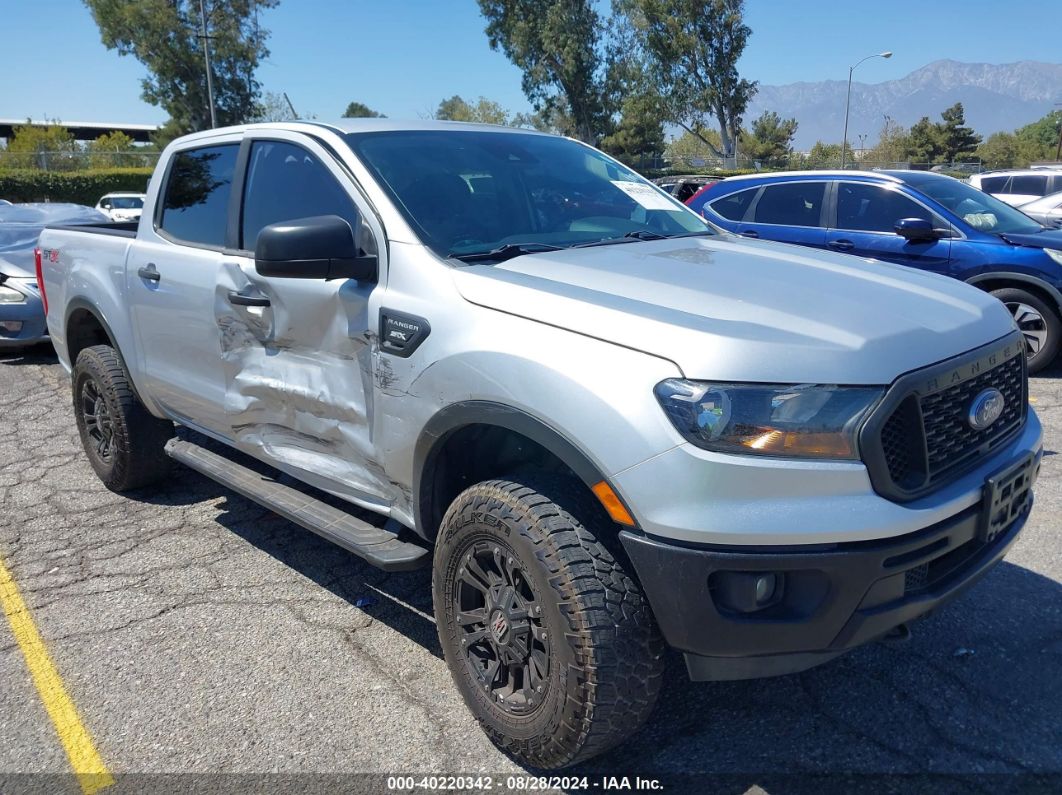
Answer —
1058 149
209 73
848 101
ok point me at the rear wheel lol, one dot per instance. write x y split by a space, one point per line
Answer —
1039 323
123 441
551 643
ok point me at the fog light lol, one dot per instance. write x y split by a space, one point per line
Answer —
765 584
745 592
9 328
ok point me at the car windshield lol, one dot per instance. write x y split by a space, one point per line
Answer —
980 210
127 203
490 195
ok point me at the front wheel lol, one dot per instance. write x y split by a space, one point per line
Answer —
551 643
1039 324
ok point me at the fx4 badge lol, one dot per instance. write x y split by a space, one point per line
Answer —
401 334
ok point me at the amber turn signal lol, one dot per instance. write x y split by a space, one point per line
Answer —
612 503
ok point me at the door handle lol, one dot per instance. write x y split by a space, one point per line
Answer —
247 300
749 233
841 245
149 272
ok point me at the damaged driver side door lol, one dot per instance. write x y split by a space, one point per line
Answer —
296 352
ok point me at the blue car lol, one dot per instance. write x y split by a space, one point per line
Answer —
916 218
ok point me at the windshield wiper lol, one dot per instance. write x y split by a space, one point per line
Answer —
508 251
638 234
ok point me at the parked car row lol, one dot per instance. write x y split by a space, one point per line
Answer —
924 220
1019 186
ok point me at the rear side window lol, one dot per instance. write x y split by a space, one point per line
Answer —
285 182
195 206
871 208
1029 185
993 184
791 204
733 207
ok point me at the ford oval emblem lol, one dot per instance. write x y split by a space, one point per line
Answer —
985 409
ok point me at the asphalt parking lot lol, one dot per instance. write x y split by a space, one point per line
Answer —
200 634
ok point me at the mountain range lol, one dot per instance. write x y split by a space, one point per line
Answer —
995 97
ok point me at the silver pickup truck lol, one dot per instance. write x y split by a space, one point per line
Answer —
609 427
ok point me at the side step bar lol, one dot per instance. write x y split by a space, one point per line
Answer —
376 545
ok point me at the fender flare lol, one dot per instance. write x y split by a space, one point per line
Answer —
460 415
1050 289
83 303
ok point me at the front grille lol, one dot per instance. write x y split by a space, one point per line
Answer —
950 441
920 438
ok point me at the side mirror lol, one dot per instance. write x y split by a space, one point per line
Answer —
917 230
321 247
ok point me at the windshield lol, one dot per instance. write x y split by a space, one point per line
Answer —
127 203
980 210
468 192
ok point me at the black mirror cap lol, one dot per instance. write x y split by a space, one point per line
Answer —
319 247
918 229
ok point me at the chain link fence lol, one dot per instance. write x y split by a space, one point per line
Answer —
76 160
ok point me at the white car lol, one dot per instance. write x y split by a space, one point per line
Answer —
1019 186
1048 210
122 206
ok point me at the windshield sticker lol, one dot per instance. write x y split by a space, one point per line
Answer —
646 195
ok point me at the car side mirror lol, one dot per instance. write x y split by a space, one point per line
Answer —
321 247
917 230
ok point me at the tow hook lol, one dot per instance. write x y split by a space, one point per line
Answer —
897 635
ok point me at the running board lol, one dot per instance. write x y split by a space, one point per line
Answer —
376 545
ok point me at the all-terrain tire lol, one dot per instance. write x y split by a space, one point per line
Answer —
123 441
1039 322
605 653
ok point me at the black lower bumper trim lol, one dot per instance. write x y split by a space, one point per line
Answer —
833 599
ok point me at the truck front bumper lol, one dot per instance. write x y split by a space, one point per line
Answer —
822 599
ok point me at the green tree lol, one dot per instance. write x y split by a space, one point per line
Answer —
689 50
485 111
45 146
165 36
558 46
824 155
111 150
1000 150
692 151
771 138
359 110
892 146
1039 140
923 142
640 132
956 139
555 120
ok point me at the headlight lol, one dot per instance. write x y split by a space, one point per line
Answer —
805 421
10 296
1054 254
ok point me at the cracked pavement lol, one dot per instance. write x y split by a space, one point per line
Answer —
198 632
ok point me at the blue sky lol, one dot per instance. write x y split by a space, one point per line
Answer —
402 56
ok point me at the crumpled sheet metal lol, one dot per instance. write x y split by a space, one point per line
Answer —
297 384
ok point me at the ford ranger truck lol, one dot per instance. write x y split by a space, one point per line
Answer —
607 426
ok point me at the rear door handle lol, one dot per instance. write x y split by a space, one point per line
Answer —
749 233
149 272
841 245
247 300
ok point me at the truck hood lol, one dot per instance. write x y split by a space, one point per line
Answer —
732 310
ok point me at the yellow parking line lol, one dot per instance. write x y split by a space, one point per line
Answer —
91 773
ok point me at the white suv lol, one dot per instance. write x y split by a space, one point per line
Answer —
1020 186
